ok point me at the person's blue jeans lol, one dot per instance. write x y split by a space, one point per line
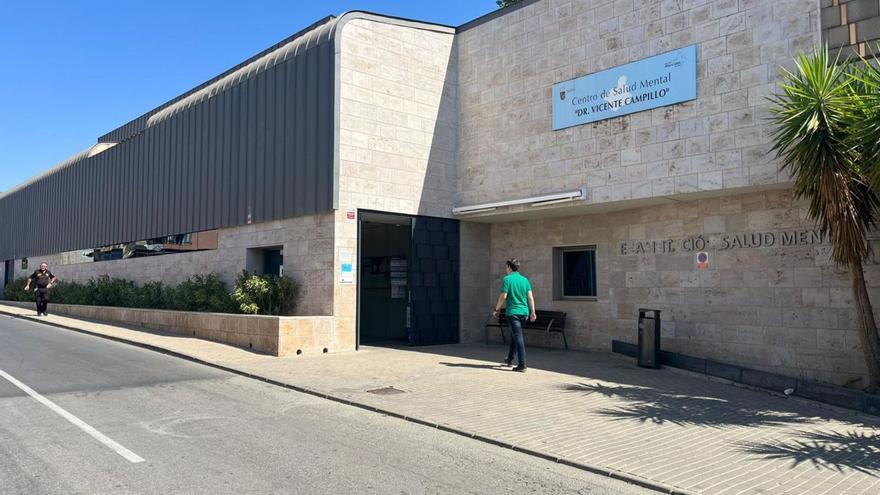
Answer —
516 339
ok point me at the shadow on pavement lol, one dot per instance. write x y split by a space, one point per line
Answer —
657 396
557 360
824 450
660 406
496 367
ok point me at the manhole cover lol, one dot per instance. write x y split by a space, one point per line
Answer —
386 391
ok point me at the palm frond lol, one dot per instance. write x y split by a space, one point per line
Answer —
865 132
813 118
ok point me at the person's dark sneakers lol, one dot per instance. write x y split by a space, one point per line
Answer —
45 314
508 362
520 368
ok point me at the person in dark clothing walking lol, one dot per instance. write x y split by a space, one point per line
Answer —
43 280
516 295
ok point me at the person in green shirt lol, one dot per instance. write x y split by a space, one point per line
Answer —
516 296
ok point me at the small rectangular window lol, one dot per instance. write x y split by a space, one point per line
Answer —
574 272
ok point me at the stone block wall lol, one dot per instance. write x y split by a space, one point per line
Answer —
398 122
398 131
274 335
475 272
508 65
852 24
772 299
308 258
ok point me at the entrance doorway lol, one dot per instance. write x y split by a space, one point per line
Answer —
8 273
386 242
408 279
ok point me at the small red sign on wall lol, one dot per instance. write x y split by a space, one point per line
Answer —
351 215
702 259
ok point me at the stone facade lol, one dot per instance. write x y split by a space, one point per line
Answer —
771 298
398 138
398 119
307 242
476 239
274 335
398 133
430 119
508 65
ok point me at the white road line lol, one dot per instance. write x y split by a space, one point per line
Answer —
97 435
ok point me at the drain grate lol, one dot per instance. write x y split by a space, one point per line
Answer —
386 391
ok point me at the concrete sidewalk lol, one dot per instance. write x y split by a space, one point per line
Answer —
668 428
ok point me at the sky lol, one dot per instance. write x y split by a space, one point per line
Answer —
73 70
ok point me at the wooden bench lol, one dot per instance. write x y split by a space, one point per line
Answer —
546 321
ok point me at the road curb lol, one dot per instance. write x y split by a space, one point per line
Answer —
602 471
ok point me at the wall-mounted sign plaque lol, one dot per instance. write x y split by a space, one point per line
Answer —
654 82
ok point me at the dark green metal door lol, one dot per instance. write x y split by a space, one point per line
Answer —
434 282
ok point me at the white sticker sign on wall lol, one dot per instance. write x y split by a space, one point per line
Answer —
345 256
346 273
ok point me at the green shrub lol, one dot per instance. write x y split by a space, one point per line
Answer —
106 291
203 293
288 295
152 295
265 294
14 291
71 293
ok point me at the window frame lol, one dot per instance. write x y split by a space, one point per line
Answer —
559 279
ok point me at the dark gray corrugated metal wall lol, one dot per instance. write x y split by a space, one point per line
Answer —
137 125
257 148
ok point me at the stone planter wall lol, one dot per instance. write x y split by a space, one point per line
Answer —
274 335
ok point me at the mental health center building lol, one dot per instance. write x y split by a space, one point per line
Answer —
619 149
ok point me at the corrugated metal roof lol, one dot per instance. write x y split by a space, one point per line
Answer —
67 162
281 54
254 144
138 124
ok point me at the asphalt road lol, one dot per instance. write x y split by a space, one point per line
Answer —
201 430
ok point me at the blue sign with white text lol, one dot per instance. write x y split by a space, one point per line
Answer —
654 82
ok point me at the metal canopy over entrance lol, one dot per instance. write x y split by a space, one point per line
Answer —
408 279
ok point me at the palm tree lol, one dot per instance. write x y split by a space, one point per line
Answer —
814 116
